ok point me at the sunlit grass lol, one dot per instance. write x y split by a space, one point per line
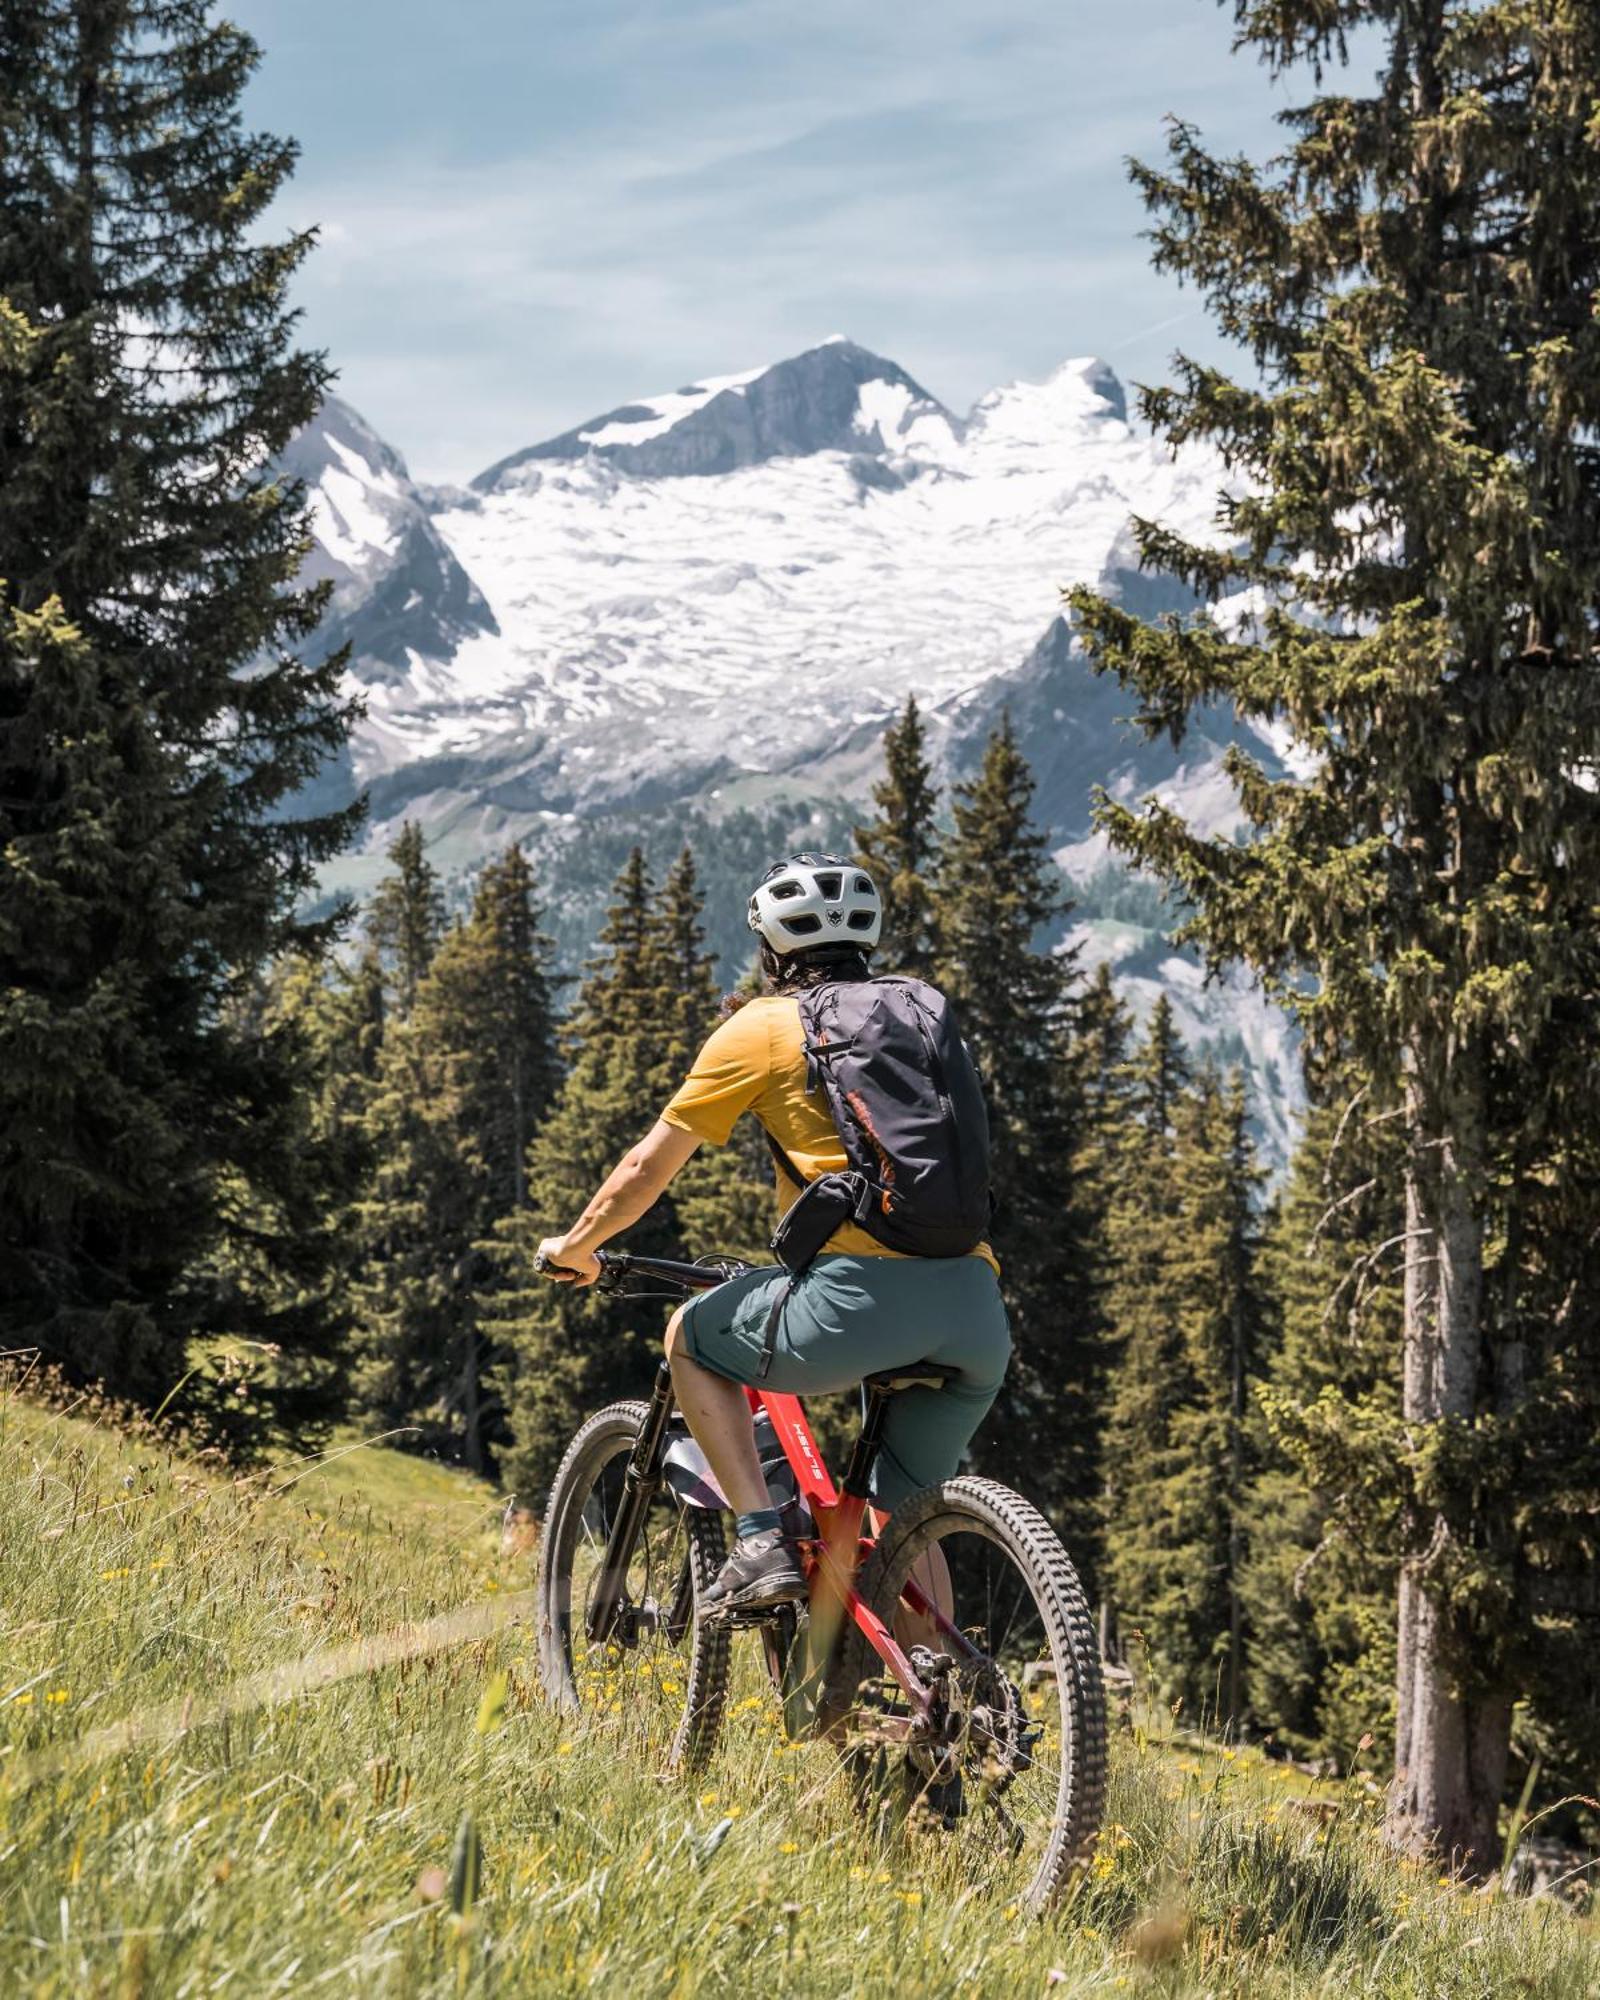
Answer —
326 1841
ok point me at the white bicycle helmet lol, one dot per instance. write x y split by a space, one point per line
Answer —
817 899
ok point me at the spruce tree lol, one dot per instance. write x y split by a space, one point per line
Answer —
1415 505
902 845
1318 1584
687 974
1188 1309
282 1283
1142 1335
723 1201
406 918
1099 1057
464 1085
1215 1270
569 1351
999 898
156 719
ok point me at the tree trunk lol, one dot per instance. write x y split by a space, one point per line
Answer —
1451 1745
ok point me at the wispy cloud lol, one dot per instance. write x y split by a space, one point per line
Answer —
685 188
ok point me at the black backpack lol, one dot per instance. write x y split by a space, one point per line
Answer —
909 1110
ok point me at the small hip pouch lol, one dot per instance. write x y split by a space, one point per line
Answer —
823 1205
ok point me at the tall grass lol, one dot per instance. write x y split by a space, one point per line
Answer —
241 1752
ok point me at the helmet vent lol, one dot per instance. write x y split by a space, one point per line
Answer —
811 898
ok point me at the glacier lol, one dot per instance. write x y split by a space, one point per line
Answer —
698 610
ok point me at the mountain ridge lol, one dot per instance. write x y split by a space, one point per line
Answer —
806 403
699 610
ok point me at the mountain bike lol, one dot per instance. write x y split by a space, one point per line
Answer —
947 1648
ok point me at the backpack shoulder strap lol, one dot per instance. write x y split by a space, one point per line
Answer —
785 1165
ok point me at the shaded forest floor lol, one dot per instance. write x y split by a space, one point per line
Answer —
245 1720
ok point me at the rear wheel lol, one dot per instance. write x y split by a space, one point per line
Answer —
1013 1776
661 1677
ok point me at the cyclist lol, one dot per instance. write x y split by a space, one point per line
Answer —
859 1308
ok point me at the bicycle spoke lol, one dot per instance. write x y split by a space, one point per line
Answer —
655 1678
1007 1768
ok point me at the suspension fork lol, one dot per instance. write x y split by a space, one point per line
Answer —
640 1485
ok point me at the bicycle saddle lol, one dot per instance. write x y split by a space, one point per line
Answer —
918 1375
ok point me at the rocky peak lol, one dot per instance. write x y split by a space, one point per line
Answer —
398 592
833 397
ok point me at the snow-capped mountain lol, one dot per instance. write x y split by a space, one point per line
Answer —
398 593
698 610
836 397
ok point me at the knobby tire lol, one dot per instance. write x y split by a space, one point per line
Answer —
702 1653
988 1509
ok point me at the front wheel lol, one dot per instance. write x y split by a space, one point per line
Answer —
661 1676
1013 1774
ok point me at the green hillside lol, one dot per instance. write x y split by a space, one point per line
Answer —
245 1720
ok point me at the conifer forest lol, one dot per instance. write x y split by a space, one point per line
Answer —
1323 1437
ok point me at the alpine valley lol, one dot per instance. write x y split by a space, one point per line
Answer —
692 617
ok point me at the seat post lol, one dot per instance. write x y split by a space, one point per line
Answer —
864 1452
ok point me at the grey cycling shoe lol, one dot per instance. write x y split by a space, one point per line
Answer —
762 1572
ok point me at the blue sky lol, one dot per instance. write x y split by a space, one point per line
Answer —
532 212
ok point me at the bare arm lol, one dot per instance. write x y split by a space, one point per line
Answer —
631 1189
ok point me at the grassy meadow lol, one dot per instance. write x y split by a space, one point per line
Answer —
281 1734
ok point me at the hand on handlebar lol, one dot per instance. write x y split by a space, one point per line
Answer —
554 1260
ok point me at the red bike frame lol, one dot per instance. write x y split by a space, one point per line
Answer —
834 1557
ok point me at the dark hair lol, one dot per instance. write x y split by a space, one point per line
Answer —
799 969
796 970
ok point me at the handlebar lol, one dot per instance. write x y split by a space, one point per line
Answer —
615 1265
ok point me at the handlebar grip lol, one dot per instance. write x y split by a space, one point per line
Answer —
546 1269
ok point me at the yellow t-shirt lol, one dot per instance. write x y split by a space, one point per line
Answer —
755 1061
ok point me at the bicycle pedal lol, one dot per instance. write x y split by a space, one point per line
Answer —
743 1616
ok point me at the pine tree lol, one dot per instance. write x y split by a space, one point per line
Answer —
1319 1584
902 848
282 1283
998 897
156 720
571 1351
1103 1083
1416 500
687 974
1215 1269
406 918
723 1200
1142 1337
464 1085
1188 1310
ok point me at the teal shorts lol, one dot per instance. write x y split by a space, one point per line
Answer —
853 1316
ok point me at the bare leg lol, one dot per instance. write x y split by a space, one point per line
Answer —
719 1417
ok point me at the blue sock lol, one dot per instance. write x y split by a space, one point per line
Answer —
761 1522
